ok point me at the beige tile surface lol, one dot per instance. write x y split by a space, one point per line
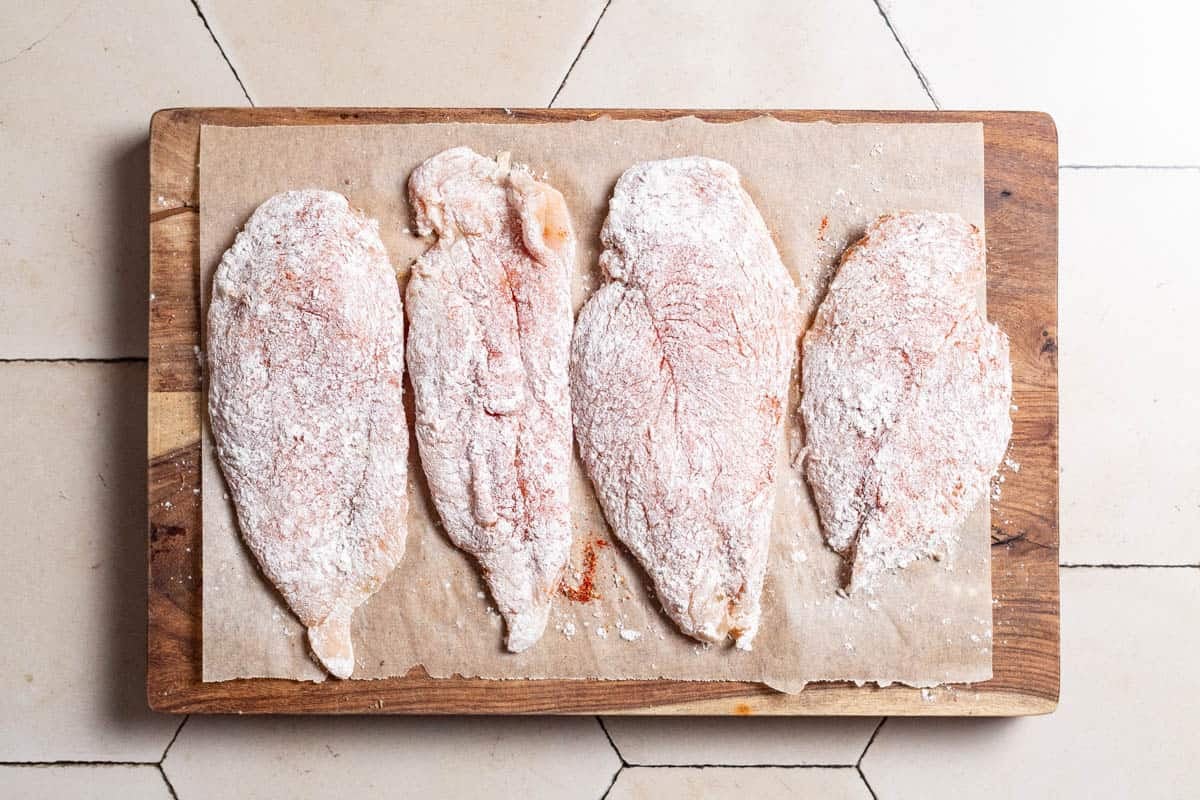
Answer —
1130 377
83 783
560 758
1116 77
1126 724
78 82
683 783
733 741
417 53
73 565
742 55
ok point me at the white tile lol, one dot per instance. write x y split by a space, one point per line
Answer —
83 782
418 53
73 565
740 741
1129 373
1120 79
78 83
763 783
273 757
1126 723
743 55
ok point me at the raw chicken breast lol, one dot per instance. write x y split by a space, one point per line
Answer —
489 309
679 377
305 357
907 389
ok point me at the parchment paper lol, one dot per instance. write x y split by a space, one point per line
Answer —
817 185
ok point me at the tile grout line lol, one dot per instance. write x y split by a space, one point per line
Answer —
167 781
575 61
221 50
611 743
29 48
858 764
78 763
613 782
740 766
624 767
920 75
1129 566
162 770
1148 167
117 360
870 741
171 743
862 777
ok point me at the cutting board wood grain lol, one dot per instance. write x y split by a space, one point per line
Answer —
1021 185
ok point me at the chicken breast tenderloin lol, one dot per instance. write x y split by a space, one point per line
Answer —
489 309
679 375
907 389
305 358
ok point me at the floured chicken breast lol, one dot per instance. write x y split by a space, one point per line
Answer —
305 357
907 389
679 375
489 309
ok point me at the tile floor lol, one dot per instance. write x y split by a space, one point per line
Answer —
78 81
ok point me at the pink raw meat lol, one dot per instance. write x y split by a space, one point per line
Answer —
679 379
305 357
489 309
907 389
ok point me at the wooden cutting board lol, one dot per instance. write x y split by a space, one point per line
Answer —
1021 185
